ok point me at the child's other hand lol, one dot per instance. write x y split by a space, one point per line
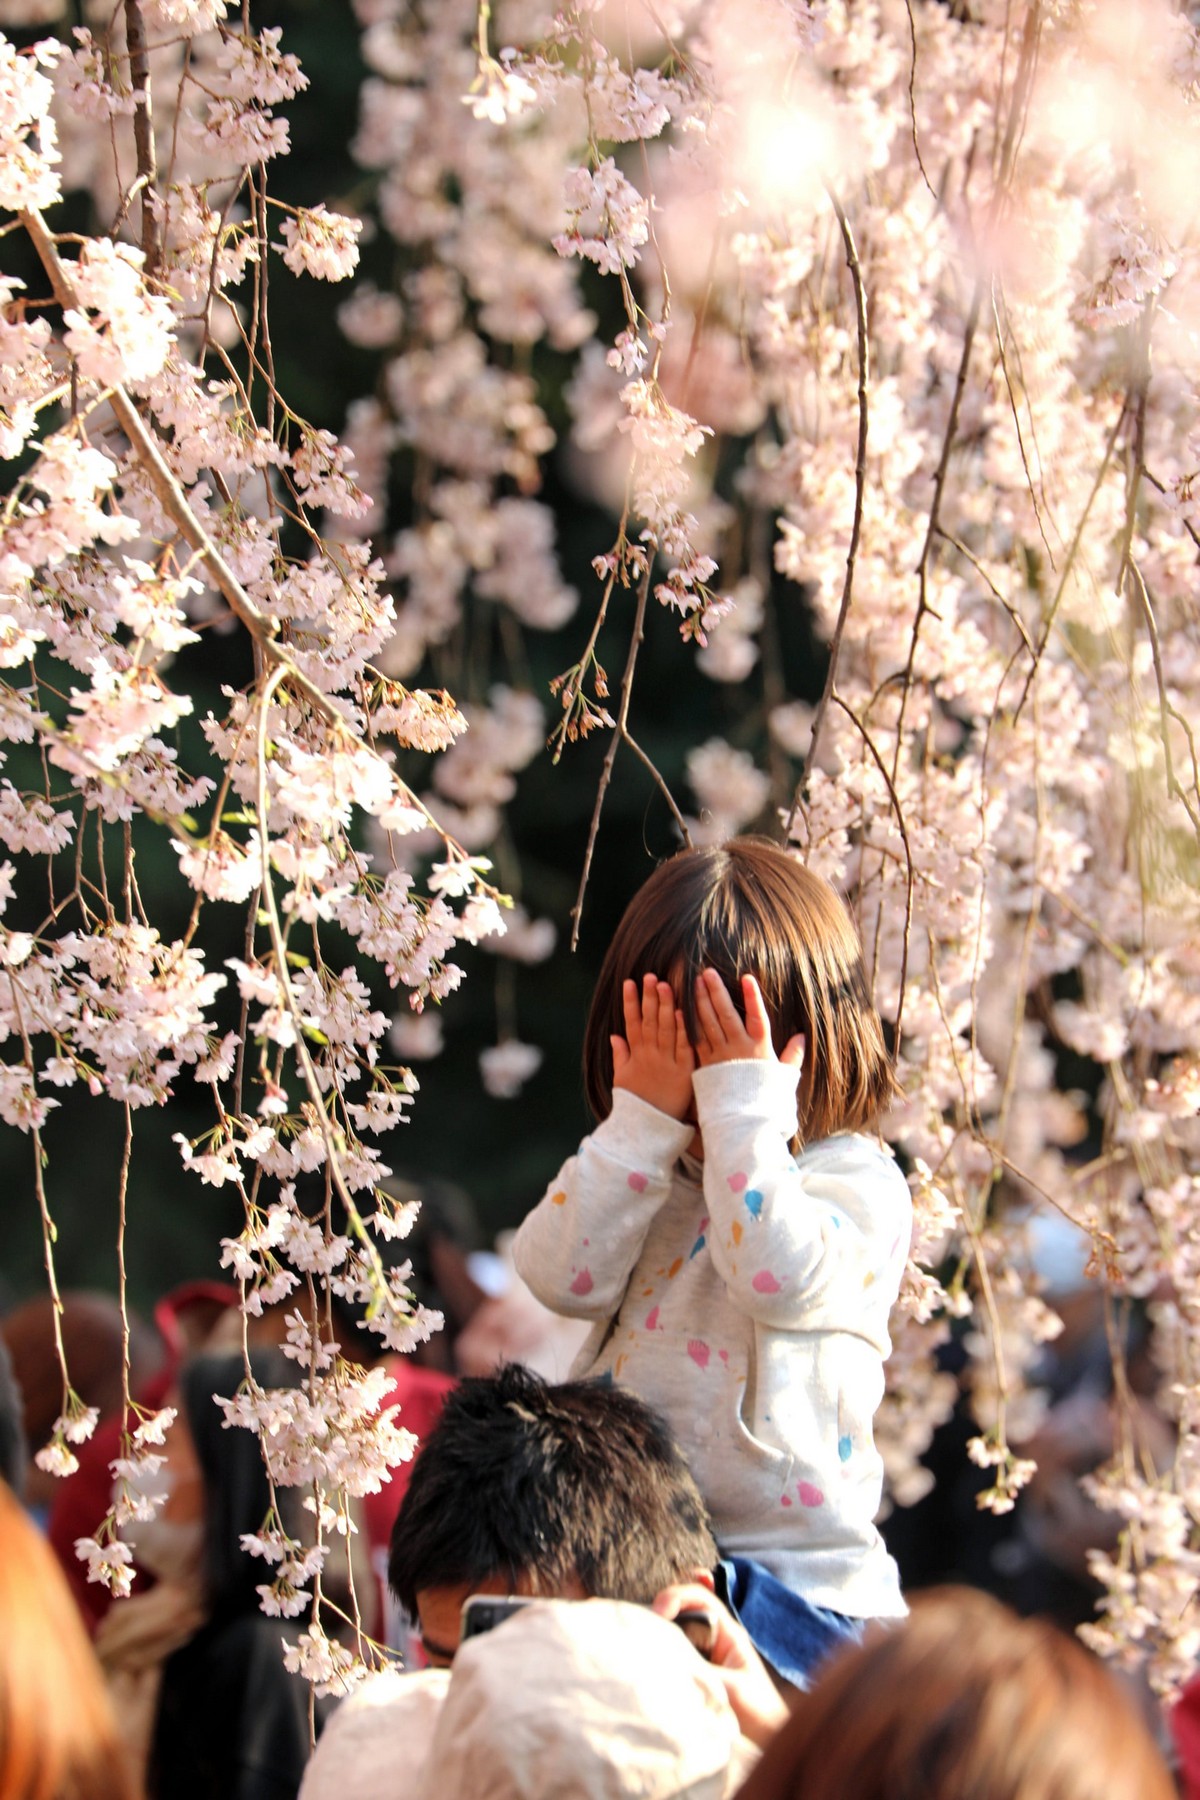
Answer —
725 1037
654 1059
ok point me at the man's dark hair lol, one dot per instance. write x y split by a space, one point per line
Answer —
521 1478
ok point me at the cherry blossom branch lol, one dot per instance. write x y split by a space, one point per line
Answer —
969 556
165 484
1020 983
1167 712
279 947
992 1451
175 502
912 98
620 735
933 522
1072 552
1129 574
1161 488
60 1457
660 782
1002 350
909 860
122 1282
143 135
860 481
1022 88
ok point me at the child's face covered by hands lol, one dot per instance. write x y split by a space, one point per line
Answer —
655 1060
724 1036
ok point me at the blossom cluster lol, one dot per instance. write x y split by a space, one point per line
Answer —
912 347
152 502
884 317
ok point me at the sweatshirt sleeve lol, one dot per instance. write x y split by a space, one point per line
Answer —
578 1247
798 1241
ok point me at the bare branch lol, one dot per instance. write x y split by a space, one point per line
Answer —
620 735
143 136
912 99
909 863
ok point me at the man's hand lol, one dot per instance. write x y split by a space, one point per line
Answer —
724 1037
654 1059
757 1704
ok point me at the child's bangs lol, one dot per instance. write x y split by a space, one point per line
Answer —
730 937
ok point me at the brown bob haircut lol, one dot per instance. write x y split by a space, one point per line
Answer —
58 1737
747 907
964 1701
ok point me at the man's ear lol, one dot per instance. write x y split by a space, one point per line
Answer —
703 1578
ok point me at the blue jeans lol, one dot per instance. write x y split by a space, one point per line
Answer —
788 1632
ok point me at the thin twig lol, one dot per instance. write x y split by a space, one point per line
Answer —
912 98
860 484
909 864
1161 487
1016 419
1166 712
620 734
143 135
49 1230
1072 553
979 569
122 1283
648 763
933 527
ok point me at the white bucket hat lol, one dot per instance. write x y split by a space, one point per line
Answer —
583 1700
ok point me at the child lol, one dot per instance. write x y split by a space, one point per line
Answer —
733 1235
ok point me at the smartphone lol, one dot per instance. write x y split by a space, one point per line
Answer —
481 1612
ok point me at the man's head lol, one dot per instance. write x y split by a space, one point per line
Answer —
572 1491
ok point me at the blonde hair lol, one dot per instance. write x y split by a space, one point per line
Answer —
964 1701
749 908
58 1738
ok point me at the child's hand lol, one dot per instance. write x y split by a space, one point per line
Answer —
654 1059
723 1035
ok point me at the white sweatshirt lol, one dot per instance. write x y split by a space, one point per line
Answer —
747 1299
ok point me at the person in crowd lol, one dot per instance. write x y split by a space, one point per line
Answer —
963 1699
93 1341
193 1316
206 1703
734 1230
58 1737
522 1488
203 1317
14 1451
511 1325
